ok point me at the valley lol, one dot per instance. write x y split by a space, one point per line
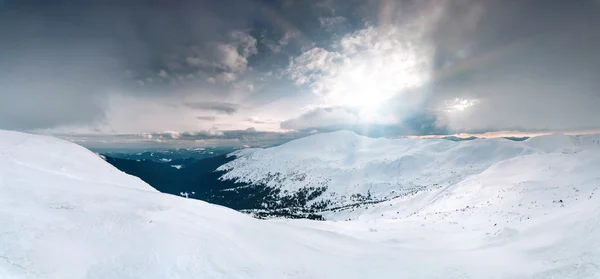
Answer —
519 210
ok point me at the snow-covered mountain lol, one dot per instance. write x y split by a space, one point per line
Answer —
502 209
66 213
341 170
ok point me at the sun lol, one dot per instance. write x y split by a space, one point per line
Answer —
359 90
370 83
365 97
368 92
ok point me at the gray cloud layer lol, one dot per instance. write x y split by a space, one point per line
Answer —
529 64
61 59
248 137
467 65
219 107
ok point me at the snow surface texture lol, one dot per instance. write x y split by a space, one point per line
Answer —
65 213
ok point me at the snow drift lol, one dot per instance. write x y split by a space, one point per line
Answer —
525 213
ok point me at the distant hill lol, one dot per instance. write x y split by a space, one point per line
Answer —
343 171
334 172
455 138
199 179
173 156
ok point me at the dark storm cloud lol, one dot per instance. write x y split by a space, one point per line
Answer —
60 59
219 107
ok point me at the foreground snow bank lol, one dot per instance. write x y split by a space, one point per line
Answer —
65 213
41 156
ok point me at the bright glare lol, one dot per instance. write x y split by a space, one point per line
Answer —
370 68
368 84
460 105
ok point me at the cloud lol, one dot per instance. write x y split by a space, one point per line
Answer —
332 22
312 65
277 46
460 67
59 75
163 74
524 68
247 135
206 118
373 77
383 61
230 56
256 120
37 93
327 119
210 137
194 61
393 66
322 118
172 135
245 43
328 5
288 36
219 107
225 77
229 59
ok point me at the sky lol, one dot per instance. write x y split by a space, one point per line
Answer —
235 72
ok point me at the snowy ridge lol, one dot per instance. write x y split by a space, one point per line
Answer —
65 213
354 168
60 158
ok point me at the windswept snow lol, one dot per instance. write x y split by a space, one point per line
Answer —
523 212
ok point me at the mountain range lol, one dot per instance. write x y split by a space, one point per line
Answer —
393 208
335 172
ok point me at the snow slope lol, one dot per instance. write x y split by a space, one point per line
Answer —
353 167
65 213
